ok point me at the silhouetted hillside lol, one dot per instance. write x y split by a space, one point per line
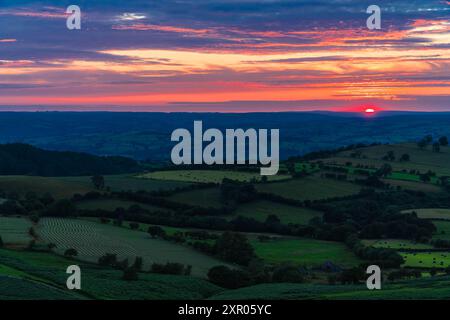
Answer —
23 159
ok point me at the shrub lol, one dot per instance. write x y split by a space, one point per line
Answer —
71 253
288 273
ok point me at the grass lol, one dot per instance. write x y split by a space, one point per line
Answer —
92 240
14 231
431 213
259 211
208 176
443 230
427 259
397 244
201 197
310 188
305 252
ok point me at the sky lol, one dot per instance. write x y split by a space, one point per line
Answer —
225 55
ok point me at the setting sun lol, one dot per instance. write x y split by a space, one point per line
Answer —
369 110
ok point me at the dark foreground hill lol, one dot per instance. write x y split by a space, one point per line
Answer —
23 159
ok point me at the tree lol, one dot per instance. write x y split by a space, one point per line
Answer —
138 262
390 156
422 144
98 181
62 208
288 273
51 246
436 147
70 253
134 225
405 157
443 141
156 231
234 247
228 278
47 199
424 177
384 171
1 242
428 138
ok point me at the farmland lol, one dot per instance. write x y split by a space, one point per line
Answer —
66 187
260 210
92 240
112 204
427 259
310 188
432 213
425 288
421 160
305 252
14 231
397 244
208 176
43 276
443 230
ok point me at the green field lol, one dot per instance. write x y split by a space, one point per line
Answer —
112 204
259 211
310 188
397 244
200 197
427 259
14 231
305 252
425 288
43 276
66 187
412 185
208 176
431 213
92 240
421 160
12 288
443 230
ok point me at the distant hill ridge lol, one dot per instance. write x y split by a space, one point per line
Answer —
24 159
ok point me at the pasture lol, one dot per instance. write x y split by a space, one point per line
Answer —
14 231
397 244
443 230
427 259
260 210
92 240
421 160
413 185
310 188
208 176
66 187
304 252
431 213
